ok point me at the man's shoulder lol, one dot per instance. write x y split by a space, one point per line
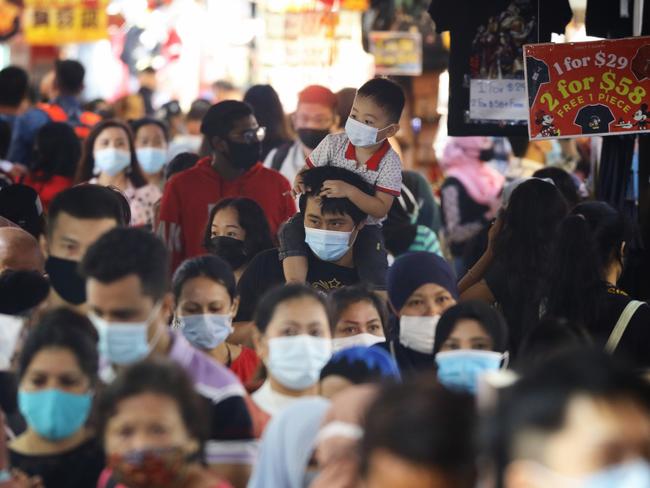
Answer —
269 174
265 259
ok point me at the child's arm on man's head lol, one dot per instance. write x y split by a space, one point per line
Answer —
376 206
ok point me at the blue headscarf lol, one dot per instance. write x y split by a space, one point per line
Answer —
362 365
288 444
412 270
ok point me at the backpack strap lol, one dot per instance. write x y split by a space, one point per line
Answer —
280 155
621 325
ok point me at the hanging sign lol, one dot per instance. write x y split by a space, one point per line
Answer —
54 22
396 53
588 88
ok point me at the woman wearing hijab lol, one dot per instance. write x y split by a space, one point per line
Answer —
471 339
287 446
469 194
421 287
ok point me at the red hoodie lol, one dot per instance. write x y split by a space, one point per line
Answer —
190 195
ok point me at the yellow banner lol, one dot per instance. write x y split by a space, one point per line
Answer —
53 22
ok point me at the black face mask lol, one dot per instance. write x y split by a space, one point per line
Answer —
66 280
312 137
486 154
244 156
229 249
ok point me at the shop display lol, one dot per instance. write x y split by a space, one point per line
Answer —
588 88
487 88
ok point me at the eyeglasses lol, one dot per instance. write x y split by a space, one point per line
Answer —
253 135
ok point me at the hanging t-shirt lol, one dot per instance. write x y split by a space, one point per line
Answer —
594 119
538 75
612 19
488 45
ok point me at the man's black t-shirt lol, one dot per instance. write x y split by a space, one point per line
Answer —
594 119
487 39
265 271
537 75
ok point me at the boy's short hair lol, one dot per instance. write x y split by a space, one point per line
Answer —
313 180
387 94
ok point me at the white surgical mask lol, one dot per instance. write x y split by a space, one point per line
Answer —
296 361
151 159
418 333
362 135
363 340
10 328
125 342
328 245
111 161
206 331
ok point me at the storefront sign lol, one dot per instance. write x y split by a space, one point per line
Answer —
588 88
397 53
52 22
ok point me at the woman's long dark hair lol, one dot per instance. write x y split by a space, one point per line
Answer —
85 170
530 222
251 218
587 242
268 112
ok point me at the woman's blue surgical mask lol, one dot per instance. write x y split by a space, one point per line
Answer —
151 159
125 342
54 414
296 361
328 245
111 161
362 135
629 474
206 331
460 370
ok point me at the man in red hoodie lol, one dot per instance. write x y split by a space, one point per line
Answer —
233 170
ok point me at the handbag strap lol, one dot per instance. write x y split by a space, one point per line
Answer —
621 325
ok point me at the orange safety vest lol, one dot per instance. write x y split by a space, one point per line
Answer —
86 119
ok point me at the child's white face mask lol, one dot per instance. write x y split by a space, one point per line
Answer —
362 135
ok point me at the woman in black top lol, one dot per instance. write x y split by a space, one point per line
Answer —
57 372
584 267
510 270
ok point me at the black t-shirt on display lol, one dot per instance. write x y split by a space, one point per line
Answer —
594 119
265 271
537 76
488 44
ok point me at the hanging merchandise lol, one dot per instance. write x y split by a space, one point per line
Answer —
65 21
588 88
486 71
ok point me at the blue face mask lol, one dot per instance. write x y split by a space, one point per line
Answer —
111 161
151 159
634 474
125 342
206 331
54 414
460 370
328 245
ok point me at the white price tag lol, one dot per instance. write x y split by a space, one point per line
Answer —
498 100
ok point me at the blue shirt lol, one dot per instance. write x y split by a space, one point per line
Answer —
27 125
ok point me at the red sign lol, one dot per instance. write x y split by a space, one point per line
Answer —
588 88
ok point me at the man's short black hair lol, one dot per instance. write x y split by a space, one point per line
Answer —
125 251
387 94
69 76
221 117
87 202
314 179
13 86
537 404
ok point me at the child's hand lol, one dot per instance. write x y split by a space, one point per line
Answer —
298 185
336 189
